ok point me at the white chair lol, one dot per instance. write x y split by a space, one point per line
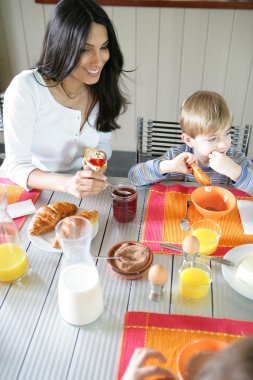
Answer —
155 137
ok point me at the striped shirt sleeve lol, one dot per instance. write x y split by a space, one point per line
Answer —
148 173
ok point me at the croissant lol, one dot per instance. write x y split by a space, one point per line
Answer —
91 215
200 176
46 217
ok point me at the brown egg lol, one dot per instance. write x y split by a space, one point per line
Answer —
158 275
190 244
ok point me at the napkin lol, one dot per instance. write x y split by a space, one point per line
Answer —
18 209
246 214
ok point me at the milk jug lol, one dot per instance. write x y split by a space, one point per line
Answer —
80 293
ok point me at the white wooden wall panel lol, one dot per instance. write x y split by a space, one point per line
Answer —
47 11
5 70
34 28
217 49
175 52
14 34
147 36
124 20
170 58
108 10
239 64
194 47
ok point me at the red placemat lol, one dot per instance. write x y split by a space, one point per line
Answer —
166 206
18 194
169 333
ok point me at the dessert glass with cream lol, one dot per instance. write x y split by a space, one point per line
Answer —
124 202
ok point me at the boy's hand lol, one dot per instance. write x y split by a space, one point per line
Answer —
178 165
225 165
137 371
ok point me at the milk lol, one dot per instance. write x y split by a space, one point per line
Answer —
80 294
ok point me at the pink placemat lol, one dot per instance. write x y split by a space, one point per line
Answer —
169 333
166 206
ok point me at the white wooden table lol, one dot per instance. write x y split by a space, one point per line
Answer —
35 343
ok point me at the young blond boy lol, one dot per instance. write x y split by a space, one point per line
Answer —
205 120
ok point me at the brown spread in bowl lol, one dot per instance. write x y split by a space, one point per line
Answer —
134 257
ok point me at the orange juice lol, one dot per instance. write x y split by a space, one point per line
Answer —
208 240
13 262
194 283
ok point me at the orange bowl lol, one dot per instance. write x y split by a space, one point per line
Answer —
213 202
191 350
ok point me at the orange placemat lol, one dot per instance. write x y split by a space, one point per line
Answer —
166 206
18 194
169 333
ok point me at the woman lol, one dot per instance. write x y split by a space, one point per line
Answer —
69 101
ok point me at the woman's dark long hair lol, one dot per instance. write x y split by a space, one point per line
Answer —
66 32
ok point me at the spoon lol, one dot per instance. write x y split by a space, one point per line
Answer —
107 258
218 259
122 192
185 223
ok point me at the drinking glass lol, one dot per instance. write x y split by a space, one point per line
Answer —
208 232
194 280
13 259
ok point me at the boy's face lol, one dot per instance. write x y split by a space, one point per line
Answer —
203 145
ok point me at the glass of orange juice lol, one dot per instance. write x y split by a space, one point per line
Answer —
194 280
13 259
208 232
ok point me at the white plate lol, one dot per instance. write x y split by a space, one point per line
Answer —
45 241
237 254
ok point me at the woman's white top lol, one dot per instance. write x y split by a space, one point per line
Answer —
42 134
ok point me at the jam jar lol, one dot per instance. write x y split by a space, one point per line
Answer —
124 201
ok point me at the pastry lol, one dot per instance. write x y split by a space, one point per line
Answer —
95 159
91 215
46 217
200 176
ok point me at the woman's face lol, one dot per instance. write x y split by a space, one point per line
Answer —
95 55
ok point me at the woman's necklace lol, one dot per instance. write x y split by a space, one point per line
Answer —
71 95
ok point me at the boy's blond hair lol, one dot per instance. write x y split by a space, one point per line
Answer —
204 113
235 362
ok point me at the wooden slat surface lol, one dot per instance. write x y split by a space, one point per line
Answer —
37 344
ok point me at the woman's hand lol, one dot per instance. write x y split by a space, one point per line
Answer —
136 371
179 164
85 182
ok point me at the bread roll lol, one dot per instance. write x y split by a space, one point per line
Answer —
200 176
95 159
91 215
